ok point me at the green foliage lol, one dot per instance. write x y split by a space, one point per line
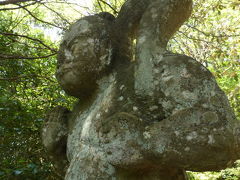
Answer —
28 89
227 174
230 173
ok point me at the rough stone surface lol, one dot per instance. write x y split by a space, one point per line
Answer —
152 118
54 137
85 53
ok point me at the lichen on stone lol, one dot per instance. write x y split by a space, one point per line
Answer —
160 114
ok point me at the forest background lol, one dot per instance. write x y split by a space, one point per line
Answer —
30 33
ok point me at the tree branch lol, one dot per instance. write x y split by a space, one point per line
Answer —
14 8
109 5
30 76
33 39
13 40
13 78
58 14
8 57
212 35
45 22
7 2
195 39
100 6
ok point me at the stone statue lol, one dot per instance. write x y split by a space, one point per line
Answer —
143 112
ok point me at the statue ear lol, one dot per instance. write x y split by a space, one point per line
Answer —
85 55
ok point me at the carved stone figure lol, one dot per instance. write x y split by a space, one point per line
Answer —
54 137
85 55
150 118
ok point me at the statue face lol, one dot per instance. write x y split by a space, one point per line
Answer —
84 55
82 48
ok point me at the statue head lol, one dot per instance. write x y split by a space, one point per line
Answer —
85 55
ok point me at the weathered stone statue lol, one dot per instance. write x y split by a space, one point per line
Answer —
144 113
